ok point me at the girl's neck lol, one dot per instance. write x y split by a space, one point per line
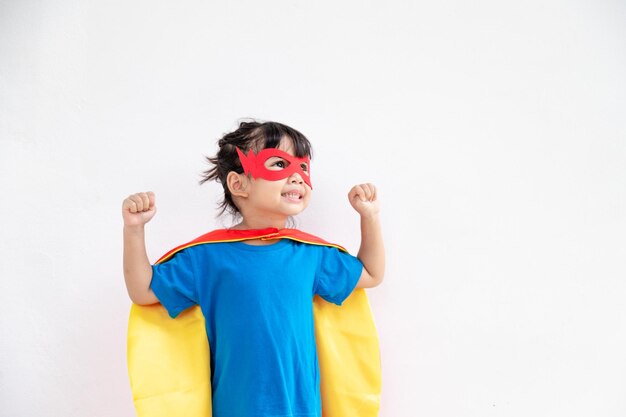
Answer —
254 224
246 224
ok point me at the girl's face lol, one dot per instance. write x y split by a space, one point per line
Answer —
284 197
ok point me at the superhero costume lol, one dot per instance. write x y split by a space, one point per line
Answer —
166 382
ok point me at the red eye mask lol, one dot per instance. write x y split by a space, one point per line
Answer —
255 165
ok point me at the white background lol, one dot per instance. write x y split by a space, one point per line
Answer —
495 132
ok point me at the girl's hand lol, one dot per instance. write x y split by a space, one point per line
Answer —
138 209
363 199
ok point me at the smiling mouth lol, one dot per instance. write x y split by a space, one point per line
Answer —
292 196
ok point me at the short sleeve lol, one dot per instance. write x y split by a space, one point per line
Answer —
173 282
337 274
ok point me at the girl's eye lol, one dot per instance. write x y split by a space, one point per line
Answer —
304 167
279 164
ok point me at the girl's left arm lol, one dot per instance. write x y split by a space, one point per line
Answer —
364 200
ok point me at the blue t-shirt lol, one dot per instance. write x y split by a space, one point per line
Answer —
257 303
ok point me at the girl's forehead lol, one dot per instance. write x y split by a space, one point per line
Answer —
286 145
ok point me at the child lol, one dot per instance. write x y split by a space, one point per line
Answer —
255 284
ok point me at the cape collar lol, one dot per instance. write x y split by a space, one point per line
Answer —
232 235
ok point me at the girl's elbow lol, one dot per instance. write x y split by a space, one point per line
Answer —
143 299
378 280
368 280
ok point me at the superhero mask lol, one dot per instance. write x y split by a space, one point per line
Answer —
255 165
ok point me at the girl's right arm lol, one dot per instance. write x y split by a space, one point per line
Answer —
137 210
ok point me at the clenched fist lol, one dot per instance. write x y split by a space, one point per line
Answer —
364 200
138 209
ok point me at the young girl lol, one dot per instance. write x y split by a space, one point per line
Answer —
255 282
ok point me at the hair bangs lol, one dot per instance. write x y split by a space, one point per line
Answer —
274 132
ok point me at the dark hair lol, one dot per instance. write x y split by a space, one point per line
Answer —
251 135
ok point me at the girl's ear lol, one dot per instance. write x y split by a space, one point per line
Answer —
237 184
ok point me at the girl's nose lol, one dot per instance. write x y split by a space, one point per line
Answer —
296 178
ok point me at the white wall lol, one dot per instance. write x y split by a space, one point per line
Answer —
495 132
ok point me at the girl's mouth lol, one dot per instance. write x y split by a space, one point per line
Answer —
292 196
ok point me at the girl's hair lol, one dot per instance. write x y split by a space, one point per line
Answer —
252 135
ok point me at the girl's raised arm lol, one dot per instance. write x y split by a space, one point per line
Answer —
364 200
137 210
